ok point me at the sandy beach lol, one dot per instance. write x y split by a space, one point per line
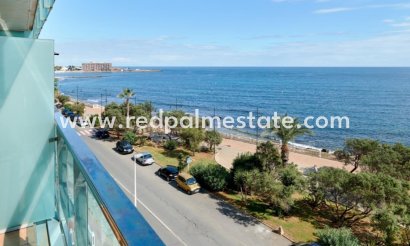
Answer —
229 149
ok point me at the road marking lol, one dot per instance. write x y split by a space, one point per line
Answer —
152 213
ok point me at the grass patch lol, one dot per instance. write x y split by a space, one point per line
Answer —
296 228
163 157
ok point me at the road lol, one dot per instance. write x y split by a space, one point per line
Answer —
178 218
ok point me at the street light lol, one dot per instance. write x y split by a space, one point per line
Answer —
135 183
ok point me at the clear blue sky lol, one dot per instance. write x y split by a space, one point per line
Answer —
232 32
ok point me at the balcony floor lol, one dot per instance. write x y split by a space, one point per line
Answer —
47 234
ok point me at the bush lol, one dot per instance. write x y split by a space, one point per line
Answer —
130 137
337 237
170 145
246 161
63 99
140 140
211 176
182 161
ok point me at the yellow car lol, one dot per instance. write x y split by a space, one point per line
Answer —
187 183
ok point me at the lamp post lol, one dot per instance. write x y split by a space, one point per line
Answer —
135 183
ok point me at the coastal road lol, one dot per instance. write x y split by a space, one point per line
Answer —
178 218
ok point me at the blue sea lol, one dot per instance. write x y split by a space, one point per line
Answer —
377 100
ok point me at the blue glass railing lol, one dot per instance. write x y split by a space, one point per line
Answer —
91 207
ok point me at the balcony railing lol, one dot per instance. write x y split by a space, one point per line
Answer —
91 207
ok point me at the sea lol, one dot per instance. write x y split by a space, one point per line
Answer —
376 100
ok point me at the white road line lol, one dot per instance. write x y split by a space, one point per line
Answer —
78 134
152 213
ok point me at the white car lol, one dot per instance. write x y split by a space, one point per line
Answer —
81 122
144 158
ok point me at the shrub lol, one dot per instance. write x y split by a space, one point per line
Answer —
130 137
182 161
170 145
63 99
337 237
246 161
140 140
212 176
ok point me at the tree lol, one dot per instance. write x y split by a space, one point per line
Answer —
78 108
210 175
170 145
127 94
387 223
63 99
354 150
130 137
267 186
393 160
213 139
352 197
246 161
337 237
287 132
192 137
113 112
268 156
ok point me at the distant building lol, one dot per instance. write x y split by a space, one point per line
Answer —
97 67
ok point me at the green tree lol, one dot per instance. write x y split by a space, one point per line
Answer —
78 108
387 223
337 237
210 175
127 94
192 137
354 150
63 99
268 156
130 137
213 139
352 197
170 145
246 161
114 112
286 132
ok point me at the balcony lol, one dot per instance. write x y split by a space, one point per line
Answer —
91 207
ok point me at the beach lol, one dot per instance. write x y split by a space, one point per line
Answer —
229 149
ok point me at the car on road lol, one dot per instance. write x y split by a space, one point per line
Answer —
124 147
188 183
162 137
168 172
81 122
102 133
65 112
144 158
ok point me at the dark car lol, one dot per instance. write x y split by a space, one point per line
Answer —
73 117
102 133
124 147
65 112
168 172
161 137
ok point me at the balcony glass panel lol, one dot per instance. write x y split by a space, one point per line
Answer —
92 209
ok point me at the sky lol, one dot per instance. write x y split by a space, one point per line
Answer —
231 32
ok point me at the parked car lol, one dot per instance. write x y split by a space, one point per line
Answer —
124 147
188 183
81 122
162 137
102 133
144 158
65 112
73 116
168 172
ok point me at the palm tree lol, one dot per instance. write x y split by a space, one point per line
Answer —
287 132
127 94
